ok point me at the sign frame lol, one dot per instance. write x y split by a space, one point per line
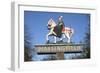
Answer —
17 62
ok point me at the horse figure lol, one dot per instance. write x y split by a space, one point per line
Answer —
66 31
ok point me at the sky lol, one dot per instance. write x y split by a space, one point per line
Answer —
36 24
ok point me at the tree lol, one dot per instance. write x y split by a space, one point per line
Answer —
87 40
27 56
27 44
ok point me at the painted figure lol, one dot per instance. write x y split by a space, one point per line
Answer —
60 26
53 30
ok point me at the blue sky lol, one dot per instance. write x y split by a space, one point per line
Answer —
36 24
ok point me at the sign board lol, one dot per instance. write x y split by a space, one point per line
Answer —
54 48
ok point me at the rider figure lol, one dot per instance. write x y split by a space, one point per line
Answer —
60 26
